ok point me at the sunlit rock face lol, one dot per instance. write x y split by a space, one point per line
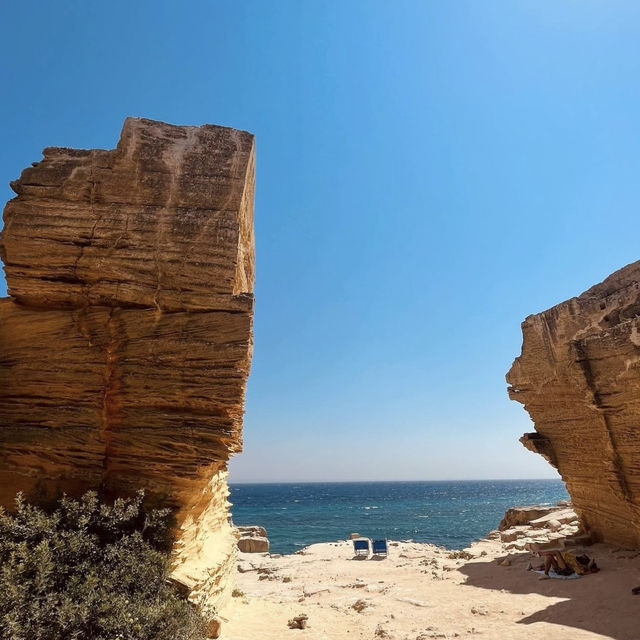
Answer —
579 378
125 344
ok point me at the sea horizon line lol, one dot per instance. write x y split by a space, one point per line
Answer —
254 482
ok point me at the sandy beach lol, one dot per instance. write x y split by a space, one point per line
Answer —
420 591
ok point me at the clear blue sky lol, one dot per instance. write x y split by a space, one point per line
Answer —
430 173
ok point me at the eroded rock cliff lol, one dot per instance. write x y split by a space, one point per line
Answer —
578 376
126 342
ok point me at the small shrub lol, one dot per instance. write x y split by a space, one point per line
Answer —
460 555
90 571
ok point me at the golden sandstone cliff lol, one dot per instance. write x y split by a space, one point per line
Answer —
126 342
579 378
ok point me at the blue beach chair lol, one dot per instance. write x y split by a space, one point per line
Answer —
380 548
361 546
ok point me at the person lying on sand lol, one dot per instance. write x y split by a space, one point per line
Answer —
564 564
554 560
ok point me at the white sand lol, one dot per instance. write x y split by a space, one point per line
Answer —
419 593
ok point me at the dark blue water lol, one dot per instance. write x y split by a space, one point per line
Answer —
447 513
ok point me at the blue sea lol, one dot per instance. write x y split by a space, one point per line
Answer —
447 513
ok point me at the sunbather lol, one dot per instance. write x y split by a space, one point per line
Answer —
554 560
565 563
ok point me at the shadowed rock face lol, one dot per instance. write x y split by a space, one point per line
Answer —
579 378
126 343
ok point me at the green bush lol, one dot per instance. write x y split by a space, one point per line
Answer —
90 571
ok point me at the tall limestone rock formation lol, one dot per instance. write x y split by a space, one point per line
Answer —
126 343
579 378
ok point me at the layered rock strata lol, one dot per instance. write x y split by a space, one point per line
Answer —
578 376
523 527
126 342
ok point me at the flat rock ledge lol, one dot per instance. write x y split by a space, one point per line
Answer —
524 526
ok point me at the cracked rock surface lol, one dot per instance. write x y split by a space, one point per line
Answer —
125 344
578 376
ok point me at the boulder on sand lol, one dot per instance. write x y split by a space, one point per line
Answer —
253 544
253 539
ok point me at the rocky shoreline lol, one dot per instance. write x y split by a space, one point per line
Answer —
520 528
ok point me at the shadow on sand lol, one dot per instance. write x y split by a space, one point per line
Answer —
600 603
